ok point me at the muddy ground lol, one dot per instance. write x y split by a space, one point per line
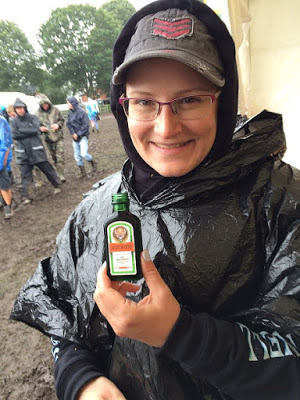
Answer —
25 356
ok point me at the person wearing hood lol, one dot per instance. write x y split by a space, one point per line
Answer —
51 126
92 109
3 112
5 158
79 124
30 152
216 315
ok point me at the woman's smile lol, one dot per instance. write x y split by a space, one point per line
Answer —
169 144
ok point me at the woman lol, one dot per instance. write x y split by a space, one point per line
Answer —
217 316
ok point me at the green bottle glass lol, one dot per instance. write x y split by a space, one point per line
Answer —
123 241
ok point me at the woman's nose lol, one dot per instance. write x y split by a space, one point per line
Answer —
167 124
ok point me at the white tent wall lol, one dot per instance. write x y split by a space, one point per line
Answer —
267 38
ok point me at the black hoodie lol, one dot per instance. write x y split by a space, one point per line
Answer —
145 176
224 238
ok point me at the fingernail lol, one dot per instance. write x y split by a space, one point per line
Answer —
146 255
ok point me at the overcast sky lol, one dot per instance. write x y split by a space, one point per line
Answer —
29 15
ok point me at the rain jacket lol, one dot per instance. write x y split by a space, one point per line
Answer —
50 117
78 121
26 133
224 238
5 143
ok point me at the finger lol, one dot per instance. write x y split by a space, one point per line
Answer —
115 309
150 273
103 281
107 295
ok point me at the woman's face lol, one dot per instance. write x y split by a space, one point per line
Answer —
171 146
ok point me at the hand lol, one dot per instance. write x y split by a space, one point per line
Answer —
150 320
75 137
100 389
54 127
43 129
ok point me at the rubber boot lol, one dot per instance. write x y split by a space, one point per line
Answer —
82 172
94 165
8 212
61 175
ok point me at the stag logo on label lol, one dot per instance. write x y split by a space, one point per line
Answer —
120 233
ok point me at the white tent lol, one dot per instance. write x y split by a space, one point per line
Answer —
267 39
7 98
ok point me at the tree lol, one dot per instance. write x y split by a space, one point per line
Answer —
64 41
121 10
19 64
110 19
77 43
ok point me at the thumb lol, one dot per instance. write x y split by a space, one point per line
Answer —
150 273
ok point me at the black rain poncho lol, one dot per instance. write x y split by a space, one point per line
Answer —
225 238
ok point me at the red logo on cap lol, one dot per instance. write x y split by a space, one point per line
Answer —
171 29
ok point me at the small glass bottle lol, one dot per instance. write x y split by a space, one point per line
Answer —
123 237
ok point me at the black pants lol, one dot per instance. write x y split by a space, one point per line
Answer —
45 167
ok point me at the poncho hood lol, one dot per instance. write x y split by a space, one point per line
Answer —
73 101
228 102
20 103
44 99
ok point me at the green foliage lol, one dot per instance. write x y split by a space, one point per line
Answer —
19 65
121 10
77 44
64 40
110 19
56 93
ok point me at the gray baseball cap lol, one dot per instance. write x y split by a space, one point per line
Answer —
177 35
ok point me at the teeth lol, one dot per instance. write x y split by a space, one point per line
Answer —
170 146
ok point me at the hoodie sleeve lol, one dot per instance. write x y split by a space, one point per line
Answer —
238 361
74 366
15 134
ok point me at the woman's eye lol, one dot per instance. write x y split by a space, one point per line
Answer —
145 103
191 100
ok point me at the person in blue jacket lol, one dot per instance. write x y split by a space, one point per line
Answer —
78 124
217 314
5 159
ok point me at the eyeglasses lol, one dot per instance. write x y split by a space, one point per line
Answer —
186 108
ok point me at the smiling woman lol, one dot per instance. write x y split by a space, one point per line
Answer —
171 143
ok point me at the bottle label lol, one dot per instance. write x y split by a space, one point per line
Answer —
121 248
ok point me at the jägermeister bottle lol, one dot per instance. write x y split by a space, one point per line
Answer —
123 238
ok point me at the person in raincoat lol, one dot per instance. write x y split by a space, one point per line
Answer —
92 109
217 314
25 131
5 158
51 126
78 125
